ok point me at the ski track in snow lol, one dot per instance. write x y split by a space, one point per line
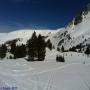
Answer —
44 80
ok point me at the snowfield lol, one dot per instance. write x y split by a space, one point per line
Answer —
74 74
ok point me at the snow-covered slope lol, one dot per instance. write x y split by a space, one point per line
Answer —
71 75
73 34
23 35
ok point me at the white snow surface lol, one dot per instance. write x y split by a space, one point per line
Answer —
23 35
74 74
78 33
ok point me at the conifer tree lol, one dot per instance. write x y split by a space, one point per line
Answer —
49 44
13 49
62 49
20 51
87 51
60 58
32 47
36 48
41 48
3 51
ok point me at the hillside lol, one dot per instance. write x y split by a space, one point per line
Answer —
77 32
23 35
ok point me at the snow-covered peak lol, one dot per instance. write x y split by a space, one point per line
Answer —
75 33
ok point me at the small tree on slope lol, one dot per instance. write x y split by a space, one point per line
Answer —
60 58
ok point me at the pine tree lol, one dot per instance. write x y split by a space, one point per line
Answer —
80 47
87 51
60 58
3 51
41 48
32 47
13 49
20 51
62 49
36 48
49 44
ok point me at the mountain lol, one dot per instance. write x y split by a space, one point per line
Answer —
22 35
75 33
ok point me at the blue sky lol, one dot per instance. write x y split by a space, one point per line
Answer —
39 14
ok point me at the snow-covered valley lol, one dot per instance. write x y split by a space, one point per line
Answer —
48 75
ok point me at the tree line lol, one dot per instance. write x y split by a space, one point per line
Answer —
35 48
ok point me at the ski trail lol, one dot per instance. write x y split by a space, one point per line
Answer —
61 67
36 84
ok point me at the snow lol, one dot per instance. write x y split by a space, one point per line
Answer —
74 74
23 35
79 31
78 34
48 74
